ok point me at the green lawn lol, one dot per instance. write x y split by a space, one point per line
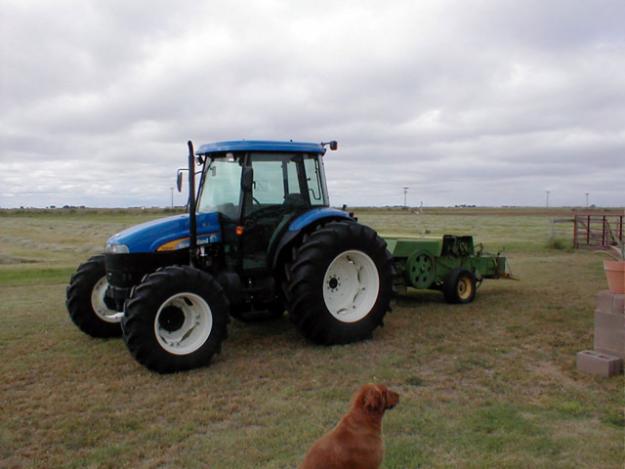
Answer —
490 384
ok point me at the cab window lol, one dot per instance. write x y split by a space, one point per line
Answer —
316 184
277 181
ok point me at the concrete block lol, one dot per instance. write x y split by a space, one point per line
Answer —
610 333
610 302
609 320
611 343
618 305
597 363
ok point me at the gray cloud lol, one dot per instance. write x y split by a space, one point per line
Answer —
465 102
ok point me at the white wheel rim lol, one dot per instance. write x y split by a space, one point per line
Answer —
196 326
351 286
99 306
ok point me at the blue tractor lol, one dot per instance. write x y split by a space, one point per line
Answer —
259 238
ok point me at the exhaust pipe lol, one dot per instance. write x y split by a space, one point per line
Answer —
191 204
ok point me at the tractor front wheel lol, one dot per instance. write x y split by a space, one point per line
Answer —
175 319
86 300
340 283
460 286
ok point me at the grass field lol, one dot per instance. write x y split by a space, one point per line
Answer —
490 384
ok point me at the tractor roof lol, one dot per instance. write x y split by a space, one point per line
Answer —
260 145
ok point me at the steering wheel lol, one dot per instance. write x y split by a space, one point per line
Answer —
255 201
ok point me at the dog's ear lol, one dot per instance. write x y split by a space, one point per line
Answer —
374 400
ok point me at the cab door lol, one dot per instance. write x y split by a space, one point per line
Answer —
278 192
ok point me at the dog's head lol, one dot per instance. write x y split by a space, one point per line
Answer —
376 398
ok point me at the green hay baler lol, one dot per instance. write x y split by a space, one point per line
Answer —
450 264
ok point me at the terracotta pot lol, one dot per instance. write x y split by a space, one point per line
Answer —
615 273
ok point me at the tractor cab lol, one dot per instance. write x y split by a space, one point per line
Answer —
257 188
241 185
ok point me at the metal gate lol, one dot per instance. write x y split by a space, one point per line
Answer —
597 229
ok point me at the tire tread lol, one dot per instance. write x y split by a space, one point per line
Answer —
305 299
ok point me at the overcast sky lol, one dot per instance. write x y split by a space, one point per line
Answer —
476 102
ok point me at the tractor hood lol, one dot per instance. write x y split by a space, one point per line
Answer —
170 231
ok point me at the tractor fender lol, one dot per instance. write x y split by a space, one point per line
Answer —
299 224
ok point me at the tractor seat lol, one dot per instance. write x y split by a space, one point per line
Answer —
295 200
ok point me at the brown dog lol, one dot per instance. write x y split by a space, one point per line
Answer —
356 442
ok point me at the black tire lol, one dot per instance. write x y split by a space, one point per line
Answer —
151 301
307 279
460 286
79 304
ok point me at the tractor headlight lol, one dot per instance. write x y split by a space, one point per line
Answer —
116 249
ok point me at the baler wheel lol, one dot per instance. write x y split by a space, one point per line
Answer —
460 286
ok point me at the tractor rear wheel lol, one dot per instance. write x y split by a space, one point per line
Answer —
340 283
86 303
460 286
175 319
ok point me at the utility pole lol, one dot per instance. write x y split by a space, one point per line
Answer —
405 192
171 189
587 194
547 199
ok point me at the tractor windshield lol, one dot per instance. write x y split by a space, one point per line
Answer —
221 187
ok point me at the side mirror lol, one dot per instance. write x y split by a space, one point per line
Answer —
179 181
332 143
248 179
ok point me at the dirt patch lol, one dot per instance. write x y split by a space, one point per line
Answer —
548 372
6 260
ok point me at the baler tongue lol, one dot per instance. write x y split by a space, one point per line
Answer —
509 276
